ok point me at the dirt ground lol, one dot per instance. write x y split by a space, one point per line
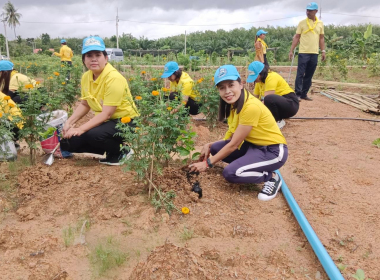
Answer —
64 212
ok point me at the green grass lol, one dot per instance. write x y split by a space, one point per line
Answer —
71 232
376 143
69 235
186 234
106 256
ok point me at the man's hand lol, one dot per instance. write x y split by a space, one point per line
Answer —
199 166
323 56
290 55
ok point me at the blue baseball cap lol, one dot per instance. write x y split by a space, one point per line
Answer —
261 32
254 69
6 65
63 41
169 69
312 6
93 43
226 72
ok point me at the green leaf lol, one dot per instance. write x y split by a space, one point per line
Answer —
195 155
368 32
183 152
359 275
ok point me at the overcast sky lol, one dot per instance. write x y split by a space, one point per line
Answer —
155 19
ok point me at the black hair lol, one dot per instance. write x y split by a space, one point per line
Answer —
256 37
103 52
178 74
264 73
225 108
64 43
5 78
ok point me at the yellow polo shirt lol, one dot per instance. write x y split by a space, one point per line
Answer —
263 44
185 86
12 110
309 41
109 89
19 80
274 81
254 113
65 53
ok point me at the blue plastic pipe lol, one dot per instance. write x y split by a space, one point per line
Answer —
325 259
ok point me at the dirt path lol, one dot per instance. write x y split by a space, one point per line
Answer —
332 172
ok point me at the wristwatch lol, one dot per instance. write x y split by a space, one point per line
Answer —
323 51
209 163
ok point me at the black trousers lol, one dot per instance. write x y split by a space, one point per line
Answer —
266 60
307 63
193 106
282 107
15 97
97 140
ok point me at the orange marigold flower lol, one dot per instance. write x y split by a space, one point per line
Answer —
126 120
28 86
185 210
11 105
155 93
200 80
38 82
7 97
164 89
153 79
138 97
143 72
169 108
63 83
56 73
1 114
212 78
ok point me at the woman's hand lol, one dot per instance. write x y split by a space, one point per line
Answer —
66 128
199 166
205 152
74 131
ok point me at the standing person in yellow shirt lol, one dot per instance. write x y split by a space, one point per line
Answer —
253 146
261 47
181 83
310 35
274 91
105 91
65 53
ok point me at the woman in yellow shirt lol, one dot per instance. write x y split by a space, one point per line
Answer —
253 146
105 91
261 47
181 82
12 82
274 91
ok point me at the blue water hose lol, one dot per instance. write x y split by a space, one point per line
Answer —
325 259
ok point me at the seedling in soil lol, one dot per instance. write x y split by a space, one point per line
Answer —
376 143
341 267
164 200
187 234
359 275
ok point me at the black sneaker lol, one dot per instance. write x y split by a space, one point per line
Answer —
307 98
116 159
270 188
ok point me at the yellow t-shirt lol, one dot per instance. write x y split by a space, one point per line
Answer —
274 81
65 53
254 113
109 89
263 44
19 80
185 86
309 41
13 110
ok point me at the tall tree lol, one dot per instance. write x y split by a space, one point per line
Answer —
11 16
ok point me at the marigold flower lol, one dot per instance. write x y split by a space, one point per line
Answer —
138 97
38 82
28 86
27 67
164 89
56 73
1 114
200 80
185 210
126 120
143 72
169 108
160 74
11 105
212 79
184 102
7 97
155 93
153 79
50 78
63 83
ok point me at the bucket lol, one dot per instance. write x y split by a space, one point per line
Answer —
57 120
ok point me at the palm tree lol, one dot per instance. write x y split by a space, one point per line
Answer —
11 16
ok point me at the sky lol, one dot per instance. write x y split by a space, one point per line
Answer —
156 19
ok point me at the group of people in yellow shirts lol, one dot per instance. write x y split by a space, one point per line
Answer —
253 146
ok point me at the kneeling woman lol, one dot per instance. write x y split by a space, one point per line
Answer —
105 91
277 95
181 83
253 146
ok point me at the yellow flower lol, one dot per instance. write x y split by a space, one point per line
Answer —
62 65
38 82
28 86
184 102
11 105
155 93
212 78
160 74
143 72
138 97
137 128
169 108
153 79
63 83
1 114
51 78
27 67
185 210
164 89
200 80
7 97
126 120
56 73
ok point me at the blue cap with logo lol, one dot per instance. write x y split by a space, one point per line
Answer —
169 69
93 43
254 69
6 65
312 6
63 41
261 32
226 72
